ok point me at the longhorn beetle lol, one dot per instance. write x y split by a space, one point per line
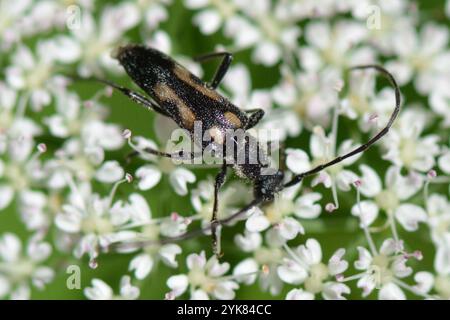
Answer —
180 95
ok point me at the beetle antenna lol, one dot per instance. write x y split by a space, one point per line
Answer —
369 143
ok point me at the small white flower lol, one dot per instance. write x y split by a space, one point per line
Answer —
335 45
20 267
307 95
405 146
265 258
205 278
99 39
143 263
383 269
277 215
20 169
102 291
391 199
423 56
149 175
34 73
304 266
95 222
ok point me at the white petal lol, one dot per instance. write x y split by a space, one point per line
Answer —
168 254
310 253
425 281
63 48
196 260
370 181
199 295
141 265
367 211
248 242
334 291
305 206
178 284
367 283
299 294
225 290
208 21
289 228
257 222
195 4
442 259
400 269
435 38
149 177
6 196
127 290
336 265
5 286
179 179
68 222
115 20
410 215
345 179
297 160
10 247
140 210
243 269
267 53
40 98
238 80
99 291
391 291
216 269
364 259
291 272
109 172
39 251
390 247
444 163
23 292
318 34
42 276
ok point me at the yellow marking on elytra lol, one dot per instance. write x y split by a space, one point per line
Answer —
233 119
165 93
184 75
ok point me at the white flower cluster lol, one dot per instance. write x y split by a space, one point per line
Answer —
63 183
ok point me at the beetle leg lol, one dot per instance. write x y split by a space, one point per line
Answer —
221 70
220 179
254 118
